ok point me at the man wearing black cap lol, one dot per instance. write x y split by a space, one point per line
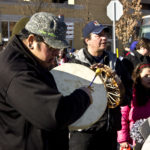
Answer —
103 134
33 114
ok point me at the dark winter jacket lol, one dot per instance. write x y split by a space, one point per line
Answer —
33 114
109 59
133 59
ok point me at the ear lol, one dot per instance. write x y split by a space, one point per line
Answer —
30 41
86 40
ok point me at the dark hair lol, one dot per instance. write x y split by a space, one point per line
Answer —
143 42
88 37
141 91
25 33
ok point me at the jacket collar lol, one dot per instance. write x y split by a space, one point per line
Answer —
104 58
17 45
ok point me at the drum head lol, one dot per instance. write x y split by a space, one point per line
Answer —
70 76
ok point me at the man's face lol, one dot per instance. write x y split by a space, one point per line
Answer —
46 55
97 42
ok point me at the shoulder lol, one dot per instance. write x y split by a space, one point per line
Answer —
81 58
80 53
112 57
130 55
129 58
110 54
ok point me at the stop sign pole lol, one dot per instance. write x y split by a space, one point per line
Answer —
114 12
114 28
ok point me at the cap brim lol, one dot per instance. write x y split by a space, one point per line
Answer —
99 30
58 44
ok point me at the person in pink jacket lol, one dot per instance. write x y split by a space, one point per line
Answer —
140 104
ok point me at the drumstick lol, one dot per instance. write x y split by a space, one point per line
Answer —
98 71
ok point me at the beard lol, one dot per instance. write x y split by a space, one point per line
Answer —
52 64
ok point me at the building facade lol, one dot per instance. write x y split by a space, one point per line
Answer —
76 14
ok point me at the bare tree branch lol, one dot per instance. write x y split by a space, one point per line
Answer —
125 27
32 6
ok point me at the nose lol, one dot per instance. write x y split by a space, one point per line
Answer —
56 52
104 38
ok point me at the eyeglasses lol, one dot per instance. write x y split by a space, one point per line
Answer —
51 48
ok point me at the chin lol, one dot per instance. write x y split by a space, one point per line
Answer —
101 49
104 47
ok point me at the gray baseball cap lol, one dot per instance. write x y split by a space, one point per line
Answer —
50 27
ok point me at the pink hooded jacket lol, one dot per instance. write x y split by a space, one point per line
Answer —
130 116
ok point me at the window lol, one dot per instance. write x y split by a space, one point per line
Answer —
59 1
145 27
7 29
145 6
4 29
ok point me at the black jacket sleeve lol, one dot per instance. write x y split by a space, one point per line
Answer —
127 62
71 107
125 77
43 106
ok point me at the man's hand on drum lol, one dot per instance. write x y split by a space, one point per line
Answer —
97 65
88 91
